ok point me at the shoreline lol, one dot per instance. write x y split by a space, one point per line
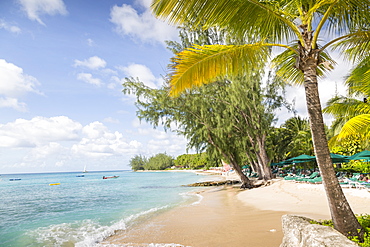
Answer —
229 216
219 219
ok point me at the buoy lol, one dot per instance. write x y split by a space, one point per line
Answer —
55 184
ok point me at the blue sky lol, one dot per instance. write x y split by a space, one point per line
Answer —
62 63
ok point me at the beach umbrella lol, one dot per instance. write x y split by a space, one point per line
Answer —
364 155
276 164
302 158
337 158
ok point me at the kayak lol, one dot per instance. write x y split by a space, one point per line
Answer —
55 184
104 177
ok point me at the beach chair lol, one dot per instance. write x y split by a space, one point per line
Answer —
347 183
305 179
316 180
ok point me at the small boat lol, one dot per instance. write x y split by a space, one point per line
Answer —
104 177
14 179
84 171
54 184
80 175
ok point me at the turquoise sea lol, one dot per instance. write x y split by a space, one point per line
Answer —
81 211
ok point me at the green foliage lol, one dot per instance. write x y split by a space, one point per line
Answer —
293 138
194 161
355 167
160 161
348 146
364 221
138 162
229 118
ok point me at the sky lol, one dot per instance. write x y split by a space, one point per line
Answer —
62 65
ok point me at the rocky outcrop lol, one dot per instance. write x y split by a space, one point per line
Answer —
299 232
214 183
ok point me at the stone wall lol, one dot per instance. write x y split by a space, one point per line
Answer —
299 232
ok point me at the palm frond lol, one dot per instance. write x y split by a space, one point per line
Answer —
341 106
358 80
356 46
285 63
204 64
333 141
357 125
348 16
267 19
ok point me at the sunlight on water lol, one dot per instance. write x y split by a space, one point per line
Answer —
82 211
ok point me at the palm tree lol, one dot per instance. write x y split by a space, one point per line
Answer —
297 26
352 115
298 130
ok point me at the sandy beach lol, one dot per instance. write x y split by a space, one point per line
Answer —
228 216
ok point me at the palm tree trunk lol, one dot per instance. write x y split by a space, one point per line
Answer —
342 215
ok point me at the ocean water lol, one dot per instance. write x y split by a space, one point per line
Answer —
81 211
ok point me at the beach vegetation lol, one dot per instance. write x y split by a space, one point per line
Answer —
138 162
302 32
347 146
346 112
355 166
203 117
364 221
195 161
293 138
352 112
229 119
160 161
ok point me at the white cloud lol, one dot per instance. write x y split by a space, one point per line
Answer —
144 74
38 131
8 27
35 8
98 141
7 102
14 84
91 63
42 152
143 26
87 77
59 143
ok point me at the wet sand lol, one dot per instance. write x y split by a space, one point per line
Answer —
220 219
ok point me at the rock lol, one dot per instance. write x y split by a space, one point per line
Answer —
299 232
214 183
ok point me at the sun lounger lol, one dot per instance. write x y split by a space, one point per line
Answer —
305 179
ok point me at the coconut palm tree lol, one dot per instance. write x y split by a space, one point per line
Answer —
301 141
302 30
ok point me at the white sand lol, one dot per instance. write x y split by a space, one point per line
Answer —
302 199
